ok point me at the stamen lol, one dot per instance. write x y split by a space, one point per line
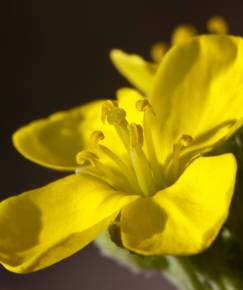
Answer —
217 25
101 171
95 137
125 170
144 105
139 161
117 117
84 157
184 141
113 157
138 175
126 174
106 174
107 106
183 33
158 50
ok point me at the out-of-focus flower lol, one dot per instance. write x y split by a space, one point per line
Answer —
139 166
141 73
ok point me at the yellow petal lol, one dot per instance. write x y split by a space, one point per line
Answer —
186 217
198 91
43 226
54 142
135 69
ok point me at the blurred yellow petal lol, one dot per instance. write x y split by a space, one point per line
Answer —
45 225
185 218
198 91
135 69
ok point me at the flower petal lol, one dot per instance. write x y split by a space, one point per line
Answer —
45 225
198 91
54 142
186 217
137 71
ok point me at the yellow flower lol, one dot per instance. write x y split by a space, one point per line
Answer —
141 168
141 73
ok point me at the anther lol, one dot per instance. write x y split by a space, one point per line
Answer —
95 137
143 106
86 157
217 25
158 50
183 33
107 106
117 116
186 140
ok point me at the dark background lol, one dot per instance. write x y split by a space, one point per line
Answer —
57 57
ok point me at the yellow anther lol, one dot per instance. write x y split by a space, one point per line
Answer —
116 116
136 135
158 50
175 167
85 157
95 137
183 33
144 105
107 106
217 25
186 140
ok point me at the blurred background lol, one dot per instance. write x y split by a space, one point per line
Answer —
57 58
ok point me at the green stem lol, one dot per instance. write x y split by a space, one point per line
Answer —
226 284
192 275
182 274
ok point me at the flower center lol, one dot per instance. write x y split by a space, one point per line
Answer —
138 170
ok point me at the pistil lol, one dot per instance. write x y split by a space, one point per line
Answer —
145 107
139 160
